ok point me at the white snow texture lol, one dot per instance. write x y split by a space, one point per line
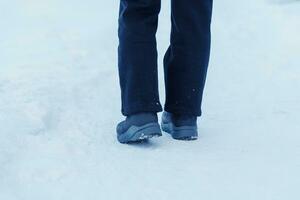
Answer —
60 103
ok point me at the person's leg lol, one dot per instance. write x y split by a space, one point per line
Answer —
186 60
137 56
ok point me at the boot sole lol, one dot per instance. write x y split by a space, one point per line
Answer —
140 133
182 132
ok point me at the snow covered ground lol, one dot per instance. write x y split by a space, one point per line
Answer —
59 104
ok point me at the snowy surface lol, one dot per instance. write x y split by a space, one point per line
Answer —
59 104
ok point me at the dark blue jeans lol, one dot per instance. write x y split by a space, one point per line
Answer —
185 62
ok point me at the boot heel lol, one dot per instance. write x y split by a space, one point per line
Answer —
180 133
140 133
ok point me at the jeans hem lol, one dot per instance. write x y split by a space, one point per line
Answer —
183 111
153 107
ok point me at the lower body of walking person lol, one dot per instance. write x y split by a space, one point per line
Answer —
185 68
